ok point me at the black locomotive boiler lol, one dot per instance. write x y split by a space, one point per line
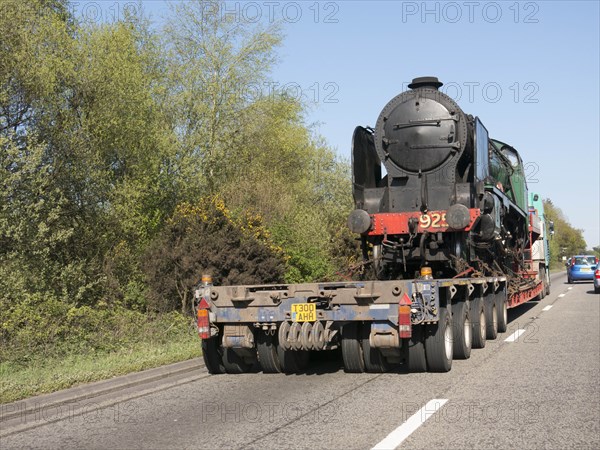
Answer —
450 198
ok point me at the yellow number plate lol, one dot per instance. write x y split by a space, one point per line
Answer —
304 312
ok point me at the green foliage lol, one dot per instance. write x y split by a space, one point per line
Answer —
213 60
108 133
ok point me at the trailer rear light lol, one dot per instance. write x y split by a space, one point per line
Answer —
203 324
404 323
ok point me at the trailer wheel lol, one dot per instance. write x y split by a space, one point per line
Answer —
352 352
461 324
212 353
439 343
502 309
374 360
234 363
292 361
478 322
417 362
491 317
266 346
543 277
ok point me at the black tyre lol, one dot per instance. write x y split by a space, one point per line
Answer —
461 324
478 325
234 363
375 362
491 317
543 278
293 361
417 361
502 308
352 353
569 280
596 290
212 353
439 343
268 358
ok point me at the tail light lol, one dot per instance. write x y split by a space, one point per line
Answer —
203 324
404 323
597 274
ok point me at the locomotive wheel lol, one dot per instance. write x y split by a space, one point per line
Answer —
417 362
478 322
439 343
461 324
266 346
502 309
212 353
292 361
234 363
374 360
352 352
491 317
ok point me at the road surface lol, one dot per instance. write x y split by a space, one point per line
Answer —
534 388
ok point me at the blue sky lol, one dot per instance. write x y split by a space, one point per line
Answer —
529 70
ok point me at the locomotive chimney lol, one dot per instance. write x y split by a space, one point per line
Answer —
425 82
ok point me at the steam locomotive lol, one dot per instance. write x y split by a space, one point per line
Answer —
448 197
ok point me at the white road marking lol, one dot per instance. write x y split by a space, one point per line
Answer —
547 308
561 295
568 289
396 437
513 337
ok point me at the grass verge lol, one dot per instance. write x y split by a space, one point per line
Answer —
42 376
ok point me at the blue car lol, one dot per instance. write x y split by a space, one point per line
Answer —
581 267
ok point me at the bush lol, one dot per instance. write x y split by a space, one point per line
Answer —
207 238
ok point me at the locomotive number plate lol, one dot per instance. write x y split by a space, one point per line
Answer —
433 220
304 312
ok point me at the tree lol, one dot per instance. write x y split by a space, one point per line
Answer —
214 59
207 238
567 241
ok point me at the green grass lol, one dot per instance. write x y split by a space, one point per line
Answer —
42 376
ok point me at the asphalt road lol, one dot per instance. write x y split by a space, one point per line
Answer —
540 390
